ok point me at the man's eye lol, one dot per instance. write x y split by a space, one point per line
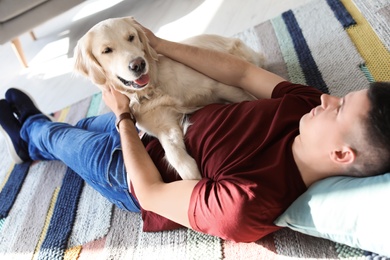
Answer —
107 50
131 38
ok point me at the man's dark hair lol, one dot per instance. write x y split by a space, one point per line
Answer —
377 131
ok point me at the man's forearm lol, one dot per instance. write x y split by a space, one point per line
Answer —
170 200
141 170
222 67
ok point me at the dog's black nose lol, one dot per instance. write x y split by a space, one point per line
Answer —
137 65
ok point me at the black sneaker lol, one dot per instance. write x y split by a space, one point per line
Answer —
22 105
10 127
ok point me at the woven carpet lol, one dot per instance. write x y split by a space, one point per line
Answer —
47 211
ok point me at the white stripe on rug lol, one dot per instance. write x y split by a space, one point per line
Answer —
5 163
290 57
263 39
377 14
250 38
291 244
176 244
331 48
22 228
122 239
93 217
274 61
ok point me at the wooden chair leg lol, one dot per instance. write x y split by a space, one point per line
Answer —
32 34
17 46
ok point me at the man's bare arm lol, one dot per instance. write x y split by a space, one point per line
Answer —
222 67
170 200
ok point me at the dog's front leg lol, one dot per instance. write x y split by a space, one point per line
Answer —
172 140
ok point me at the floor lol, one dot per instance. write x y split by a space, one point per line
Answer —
49 77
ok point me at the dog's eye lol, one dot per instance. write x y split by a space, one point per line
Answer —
131 38
107 50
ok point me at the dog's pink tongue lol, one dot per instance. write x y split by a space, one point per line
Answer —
143 80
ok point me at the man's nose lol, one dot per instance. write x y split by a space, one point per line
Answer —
328 100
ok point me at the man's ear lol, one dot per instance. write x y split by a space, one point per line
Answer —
344 155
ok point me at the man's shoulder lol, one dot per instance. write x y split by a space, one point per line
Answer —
286 87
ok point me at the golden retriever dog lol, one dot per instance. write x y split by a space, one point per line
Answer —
115 52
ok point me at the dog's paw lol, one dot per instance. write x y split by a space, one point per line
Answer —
179 159
188 169
191 176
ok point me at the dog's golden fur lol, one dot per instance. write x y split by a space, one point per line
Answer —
115 52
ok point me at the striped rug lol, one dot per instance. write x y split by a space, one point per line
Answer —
47 211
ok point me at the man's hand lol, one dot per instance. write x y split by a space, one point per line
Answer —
153 39
118 102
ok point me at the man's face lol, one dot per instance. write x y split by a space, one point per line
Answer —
329 125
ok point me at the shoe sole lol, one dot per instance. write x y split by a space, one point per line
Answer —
11 149
35 104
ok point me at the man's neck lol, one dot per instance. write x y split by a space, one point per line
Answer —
311 169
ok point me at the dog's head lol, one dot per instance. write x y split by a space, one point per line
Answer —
116 52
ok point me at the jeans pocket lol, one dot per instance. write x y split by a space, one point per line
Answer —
116 175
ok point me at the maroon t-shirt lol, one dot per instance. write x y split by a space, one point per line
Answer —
244 152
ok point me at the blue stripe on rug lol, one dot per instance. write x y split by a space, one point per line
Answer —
11 189
341 13
61 223
309 67
93 220
1 223
367 73
93 109
290 56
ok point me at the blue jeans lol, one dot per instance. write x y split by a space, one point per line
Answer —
91 148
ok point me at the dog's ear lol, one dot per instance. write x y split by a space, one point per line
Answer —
142 36
86 64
